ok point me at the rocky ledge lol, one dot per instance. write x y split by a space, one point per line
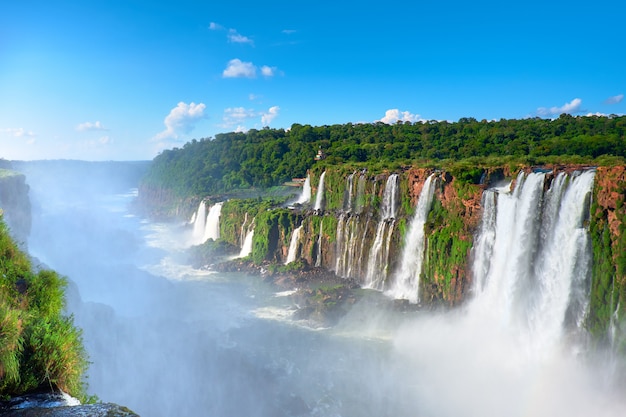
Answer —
59 405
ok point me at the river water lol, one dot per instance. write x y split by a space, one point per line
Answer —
165 339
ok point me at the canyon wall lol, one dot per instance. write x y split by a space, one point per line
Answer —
429 236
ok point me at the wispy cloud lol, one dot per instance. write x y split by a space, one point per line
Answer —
181 120
288 31
270 115
237 68
234 116
615 99
89 126
394 115
571 107
18 132
235 37
232 35
239 116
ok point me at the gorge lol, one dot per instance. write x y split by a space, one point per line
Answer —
464 288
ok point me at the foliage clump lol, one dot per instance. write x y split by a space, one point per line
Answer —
39 346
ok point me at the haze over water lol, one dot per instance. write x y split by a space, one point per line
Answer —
166 339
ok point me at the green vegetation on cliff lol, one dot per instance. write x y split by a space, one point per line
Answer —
261 158
39 346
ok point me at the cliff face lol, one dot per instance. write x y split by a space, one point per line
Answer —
15 204
607 228
365 228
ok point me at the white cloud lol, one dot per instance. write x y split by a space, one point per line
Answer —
235 116
266 118
394 115
239 69
18 132
253 97
571 107
615 99
236 68
268 71
181 120
235 37
288 31
239 116
89 126
215 26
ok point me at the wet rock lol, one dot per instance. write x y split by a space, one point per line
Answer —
59 404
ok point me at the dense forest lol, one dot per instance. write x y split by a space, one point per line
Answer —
263 158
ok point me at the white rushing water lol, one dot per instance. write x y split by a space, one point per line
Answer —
305 197
246 249
199 223
206 225
532 265
212 228
405 283
378 260
319 198
293 245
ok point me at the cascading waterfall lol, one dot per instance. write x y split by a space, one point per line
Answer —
406 280
246 236
349 247
379 252
244 230
532 259
348 195
305 197
318 259
360 194
199 223
212 227
319 199
246 249
293 245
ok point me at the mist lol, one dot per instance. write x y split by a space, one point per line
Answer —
167 340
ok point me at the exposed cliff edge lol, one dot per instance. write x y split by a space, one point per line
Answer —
362 225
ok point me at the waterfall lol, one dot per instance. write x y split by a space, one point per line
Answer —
212 227
532 258
244 230
348 246
246 248
379 252
245 237
360 194
389 206
293 245
319 199
199 223
318 260
348 194
305 197
406 280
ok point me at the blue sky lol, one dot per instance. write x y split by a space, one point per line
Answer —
123 80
